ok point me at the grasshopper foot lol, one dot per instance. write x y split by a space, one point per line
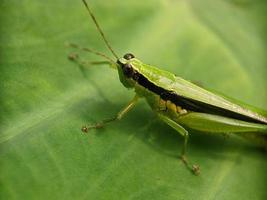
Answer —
85 129
73 56
195 169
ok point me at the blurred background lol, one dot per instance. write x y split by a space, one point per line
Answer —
45 99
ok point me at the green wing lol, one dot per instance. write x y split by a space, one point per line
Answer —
184 88
192 91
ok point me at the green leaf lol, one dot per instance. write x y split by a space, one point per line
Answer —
45 99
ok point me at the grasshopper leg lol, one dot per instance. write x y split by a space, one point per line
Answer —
85 49
194 168
75 58
122 113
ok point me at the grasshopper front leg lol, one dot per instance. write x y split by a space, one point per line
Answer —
75 58
121 114
194 168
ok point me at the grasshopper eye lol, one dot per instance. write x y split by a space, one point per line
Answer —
128 70
128 56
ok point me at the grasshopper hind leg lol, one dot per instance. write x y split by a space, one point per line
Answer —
194 168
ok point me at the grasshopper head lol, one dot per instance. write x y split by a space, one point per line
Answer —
127 73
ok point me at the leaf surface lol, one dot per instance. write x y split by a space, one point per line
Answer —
45 99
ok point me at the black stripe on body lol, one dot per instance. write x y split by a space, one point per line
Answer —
190 104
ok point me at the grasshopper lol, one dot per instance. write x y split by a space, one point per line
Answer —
178 102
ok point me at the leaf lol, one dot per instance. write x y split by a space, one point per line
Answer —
45 99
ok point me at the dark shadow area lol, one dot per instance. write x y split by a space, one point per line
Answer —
159 136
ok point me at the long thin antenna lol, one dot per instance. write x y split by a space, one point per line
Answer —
99 29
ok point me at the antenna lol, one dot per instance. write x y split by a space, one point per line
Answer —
99 29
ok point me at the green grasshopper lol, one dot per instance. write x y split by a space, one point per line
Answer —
179 103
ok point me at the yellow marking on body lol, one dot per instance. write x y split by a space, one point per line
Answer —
162 104
180 110
171 106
